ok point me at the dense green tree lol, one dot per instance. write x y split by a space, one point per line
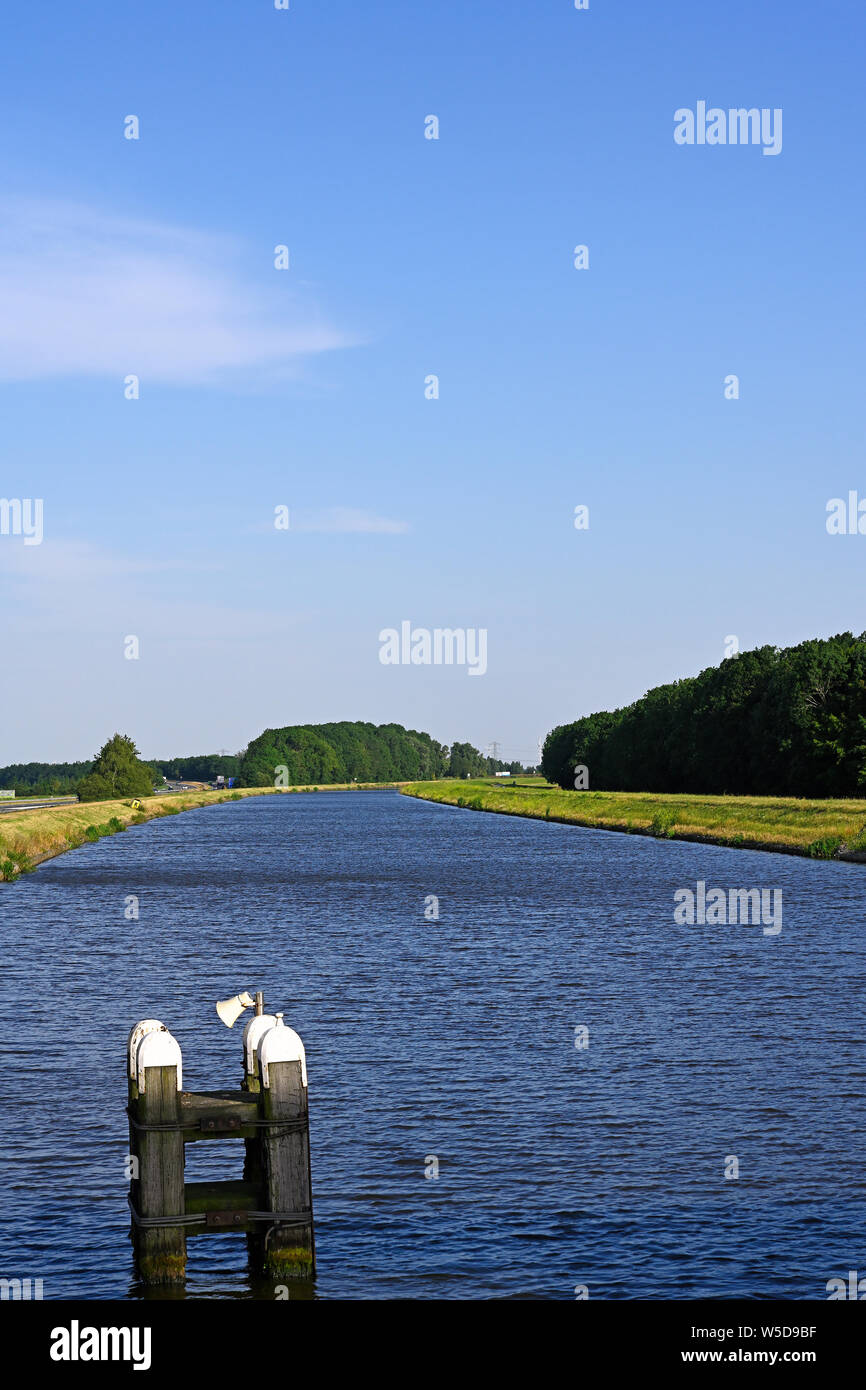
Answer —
319 754
116 772
466 761
786 722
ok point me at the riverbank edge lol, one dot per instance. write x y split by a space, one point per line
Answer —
30 838
425 792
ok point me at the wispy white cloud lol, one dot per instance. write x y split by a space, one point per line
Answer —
347 519
85 591
89 294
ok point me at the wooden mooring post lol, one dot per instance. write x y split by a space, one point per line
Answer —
272 1204
288 1247
156 1146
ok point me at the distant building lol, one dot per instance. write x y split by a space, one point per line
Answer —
502 774
7 796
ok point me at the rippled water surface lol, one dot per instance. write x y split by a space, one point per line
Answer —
558 1166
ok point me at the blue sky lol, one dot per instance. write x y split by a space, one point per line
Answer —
408 257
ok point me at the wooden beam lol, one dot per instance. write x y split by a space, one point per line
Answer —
217 1115
161 1251
288 1246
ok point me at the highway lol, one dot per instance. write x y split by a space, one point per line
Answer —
7 806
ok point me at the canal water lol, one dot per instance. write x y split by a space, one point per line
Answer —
583 1070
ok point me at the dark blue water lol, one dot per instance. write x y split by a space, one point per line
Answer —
558 1166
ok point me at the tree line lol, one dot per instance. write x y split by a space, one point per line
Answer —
315 754
312 754
769 722
43 779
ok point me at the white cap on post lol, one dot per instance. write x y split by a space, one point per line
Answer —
158 1050
147 1025
253 1033
281 1044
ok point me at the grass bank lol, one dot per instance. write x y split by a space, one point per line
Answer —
818 829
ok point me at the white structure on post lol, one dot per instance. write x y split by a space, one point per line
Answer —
157 1049
281 1044
147 1025
253 1034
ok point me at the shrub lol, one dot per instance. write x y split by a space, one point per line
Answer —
663 823
824 848
14 863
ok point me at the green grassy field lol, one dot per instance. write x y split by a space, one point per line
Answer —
819 829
